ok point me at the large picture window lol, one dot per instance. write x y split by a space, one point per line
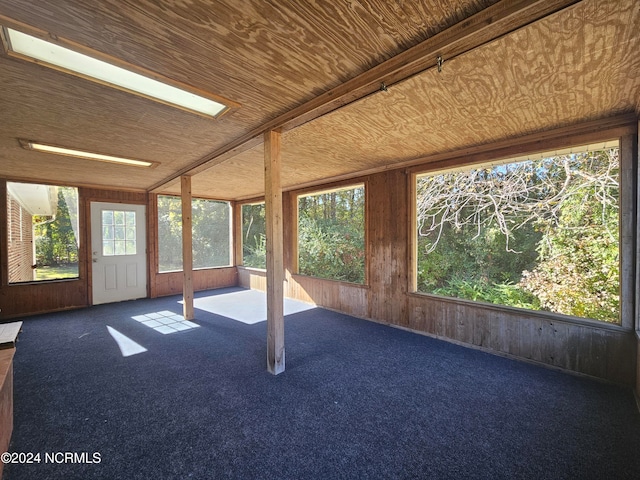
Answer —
43 235
538 234
331 234
211 230
254 248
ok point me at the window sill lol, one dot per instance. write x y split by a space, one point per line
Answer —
253 269
195 269
44 282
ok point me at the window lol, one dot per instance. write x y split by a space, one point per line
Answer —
540 234
118 233
211 230
169 233
55 56
43 233
254 248
331 234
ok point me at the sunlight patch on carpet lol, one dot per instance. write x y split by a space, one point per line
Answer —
246 306
127 346
165 322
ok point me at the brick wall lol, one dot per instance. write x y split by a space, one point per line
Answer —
20 242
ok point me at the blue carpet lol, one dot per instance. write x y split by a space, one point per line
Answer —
357 400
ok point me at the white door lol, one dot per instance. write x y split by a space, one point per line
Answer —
118 252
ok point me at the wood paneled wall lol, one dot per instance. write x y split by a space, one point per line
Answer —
18 300
586 347
604 351
170 283
23 299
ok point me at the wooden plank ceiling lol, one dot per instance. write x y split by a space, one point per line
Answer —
578 64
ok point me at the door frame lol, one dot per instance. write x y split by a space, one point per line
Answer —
89 241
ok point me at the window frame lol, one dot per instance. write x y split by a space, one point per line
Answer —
627 211
80 235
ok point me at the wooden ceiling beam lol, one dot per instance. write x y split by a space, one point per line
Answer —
485 26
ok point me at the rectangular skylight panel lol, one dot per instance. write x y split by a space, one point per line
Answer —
104 72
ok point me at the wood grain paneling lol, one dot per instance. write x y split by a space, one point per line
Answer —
269 58
574 65
343 297
263 55
487 25
387 259
592 350
505 89
170 283
589 348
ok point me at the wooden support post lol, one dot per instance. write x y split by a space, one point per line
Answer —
187 251
238 240
275 253
628 229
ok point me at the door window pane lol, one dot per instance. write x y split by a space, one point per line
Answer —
118 232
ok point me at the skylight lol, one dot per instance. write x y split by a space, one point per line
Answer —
55 56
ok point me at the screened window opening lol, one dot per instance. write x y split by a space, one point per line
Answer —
538 234
211 233
254 238
331 234
43 232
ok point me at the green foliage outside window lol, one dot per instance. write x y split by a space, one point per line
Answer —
331 235
254 238
43 232
542 235
56 240
210 233
169 233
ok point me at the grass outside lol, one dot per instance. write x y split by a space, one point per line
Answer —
57 272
